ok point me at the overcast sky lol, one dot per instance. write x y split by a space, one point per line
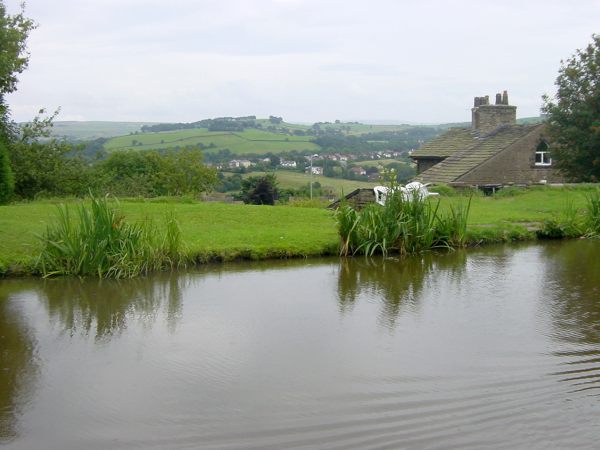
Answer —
306 60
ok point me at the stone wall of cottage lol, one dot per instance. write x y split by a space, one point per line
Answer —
426 163
514 165
486 118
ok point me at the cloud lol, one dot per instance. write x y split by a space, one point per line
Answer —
304 59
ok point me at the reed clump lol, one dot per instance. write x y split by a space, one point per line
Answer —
404 225
593 213
99 242
569 224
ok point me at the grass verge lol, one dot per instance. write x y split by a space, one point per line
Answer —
225 232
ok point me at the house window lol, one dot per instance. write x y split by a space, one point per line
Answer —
542 155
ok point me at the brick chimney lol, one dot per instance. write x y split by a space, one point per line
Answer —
487 118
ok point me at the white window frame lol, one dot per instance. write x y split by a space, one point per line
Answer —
543 155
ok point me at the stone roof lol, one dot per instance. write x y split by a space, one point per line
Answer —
447 144
464 150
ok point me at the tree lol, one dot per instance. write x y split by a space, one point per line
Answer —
14 31
185 173
7 181
50 169
573 115
149 173
260 190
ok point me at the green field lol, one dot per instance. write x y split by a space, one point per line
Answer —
362 128
229 231
378 162
295 180
248 141
251 140
93 130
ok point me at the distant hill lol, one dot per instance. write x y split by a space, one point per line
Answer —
530 120
88 130
250 135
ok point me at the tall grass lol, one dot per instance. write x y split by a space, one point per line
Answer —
569 224
593 213
452 228
99 242
402 225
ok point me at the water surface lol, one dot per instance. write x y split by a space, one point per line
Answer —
492 348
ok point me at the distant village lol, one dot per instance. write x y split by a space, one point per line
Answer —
315 163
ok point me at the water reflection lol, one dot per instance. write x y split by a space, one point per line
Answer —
18 366
397 283
573 286
573 296
102 308
465 348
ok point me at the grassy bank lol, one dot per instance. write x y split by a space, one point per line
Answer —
216 231
210 231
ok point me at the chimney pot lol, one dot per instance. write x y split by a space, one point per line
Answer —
487 118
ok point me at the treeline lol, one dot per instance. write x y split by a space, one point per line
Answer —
56 169
217 124
378 141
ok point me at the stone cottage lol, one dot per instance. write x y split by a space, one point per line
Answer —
494 151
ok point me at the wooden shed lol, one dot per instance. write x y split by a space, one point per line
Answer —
358 199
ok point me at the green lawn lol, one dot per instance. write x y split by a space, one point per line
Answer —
229 231
210 230
533 205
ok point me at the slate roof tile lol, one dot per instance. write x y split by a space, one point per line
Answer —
463 150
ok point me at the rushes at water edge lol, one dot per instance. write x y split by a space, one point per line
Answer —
101 243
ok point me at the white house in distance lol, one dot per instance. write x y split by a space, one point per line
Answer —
239 163
288 164
315 170
358 171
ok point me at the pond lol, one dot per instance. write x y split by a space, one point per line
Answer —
497 347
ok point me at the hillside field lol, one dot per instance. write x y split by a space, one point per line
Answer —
250 140
295 180
352 128
72 130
